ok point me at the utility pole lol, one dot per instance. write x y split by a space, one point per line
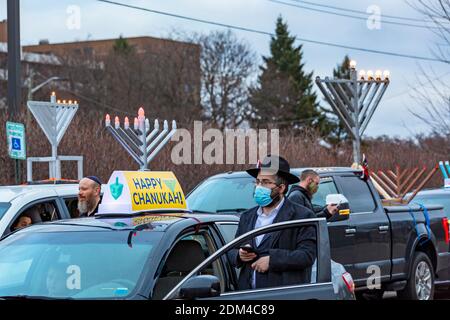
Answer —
14 72
355 100
14 78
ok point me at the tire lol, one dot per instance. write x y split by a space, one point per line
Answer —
420 285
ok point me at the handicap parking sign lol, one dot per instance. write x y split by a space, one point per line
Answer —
15 135
16 144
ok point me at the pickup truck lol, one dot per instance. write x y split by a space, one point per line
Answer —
384 248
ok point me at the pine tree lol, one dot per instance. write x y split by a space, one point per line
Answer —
342 70
121 46
284 95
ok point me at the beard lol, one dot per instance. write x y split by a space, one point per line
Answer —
82 207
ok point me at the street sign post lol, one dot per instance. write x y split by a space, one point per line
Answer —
15 136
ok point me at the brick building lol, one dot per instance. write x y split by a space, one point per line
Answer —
46 57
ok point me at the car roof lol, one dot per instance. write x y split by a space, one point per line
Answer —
433 192
9 193
108 223
296 171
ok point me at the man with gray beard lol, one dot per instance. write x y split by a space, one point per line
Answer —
89 196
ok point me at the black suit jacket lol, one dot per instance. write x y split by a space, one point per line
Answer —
292 251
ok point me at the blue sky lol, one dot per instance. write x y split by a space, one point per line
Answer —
45 19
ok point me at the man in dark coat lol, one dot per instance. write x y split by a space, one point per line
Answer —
284 257
303 192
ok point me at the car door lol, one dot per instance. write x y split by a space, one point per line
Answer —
320 288
370 225
342 239
188 250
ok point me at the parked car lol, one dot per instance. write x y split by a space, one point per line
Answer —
166 257
137 247
397 248
42 202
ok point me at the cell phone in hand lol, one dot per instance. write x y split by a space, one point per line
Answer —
248 249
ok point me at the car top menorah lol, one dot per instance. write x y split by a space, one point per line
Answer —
142 143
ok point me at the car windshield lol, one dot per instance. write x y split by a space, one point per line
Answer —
236 194
4 206
222 195
78 265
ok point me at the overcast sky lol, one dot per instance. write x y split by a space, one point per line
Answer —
46 19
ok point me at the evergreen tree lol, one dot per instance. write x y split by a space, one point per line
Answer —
342 70
121 46
284 95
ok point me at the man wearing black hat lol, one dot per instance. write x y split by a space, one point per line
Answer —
284 257
89 196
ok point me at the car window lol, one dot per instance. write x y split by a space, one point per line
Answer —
72 206
187 253
36 213
4 206
228 230
326 187
358 194
303 276
222 194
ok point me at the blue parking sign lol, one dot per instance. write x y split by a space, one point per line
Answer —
15 135
16 144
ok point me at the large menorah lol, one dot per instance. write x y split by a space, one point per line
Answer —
396 185
355 100
142 143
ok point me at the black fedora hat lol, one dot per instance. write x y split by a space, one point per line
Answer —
274 164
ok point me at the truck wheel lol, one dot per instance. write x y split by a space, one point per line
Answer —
420 285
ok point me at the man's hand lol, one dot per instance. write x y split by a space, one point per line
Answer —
246 256
332 208
261 265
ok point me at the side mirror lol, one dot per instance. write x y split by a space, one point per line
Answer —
203 286
343 207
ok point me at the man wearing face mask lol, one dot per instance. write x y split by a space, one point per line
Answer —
303 192
279 258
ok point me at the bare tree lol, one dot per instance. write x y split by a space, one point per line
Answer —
435 100
165 80
227 65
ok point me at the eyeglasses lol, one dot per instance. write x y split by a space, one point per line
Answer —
264 182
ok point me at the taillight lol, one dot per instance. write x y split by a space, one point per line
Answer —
349 282
445 225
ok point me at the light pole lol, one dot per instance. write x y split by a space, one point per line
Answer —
31 90
355 100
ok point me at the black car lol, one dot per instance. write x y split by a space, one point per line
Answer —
385 248
146 256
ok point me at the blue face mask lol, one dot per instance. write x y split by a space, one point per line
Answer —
262 196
